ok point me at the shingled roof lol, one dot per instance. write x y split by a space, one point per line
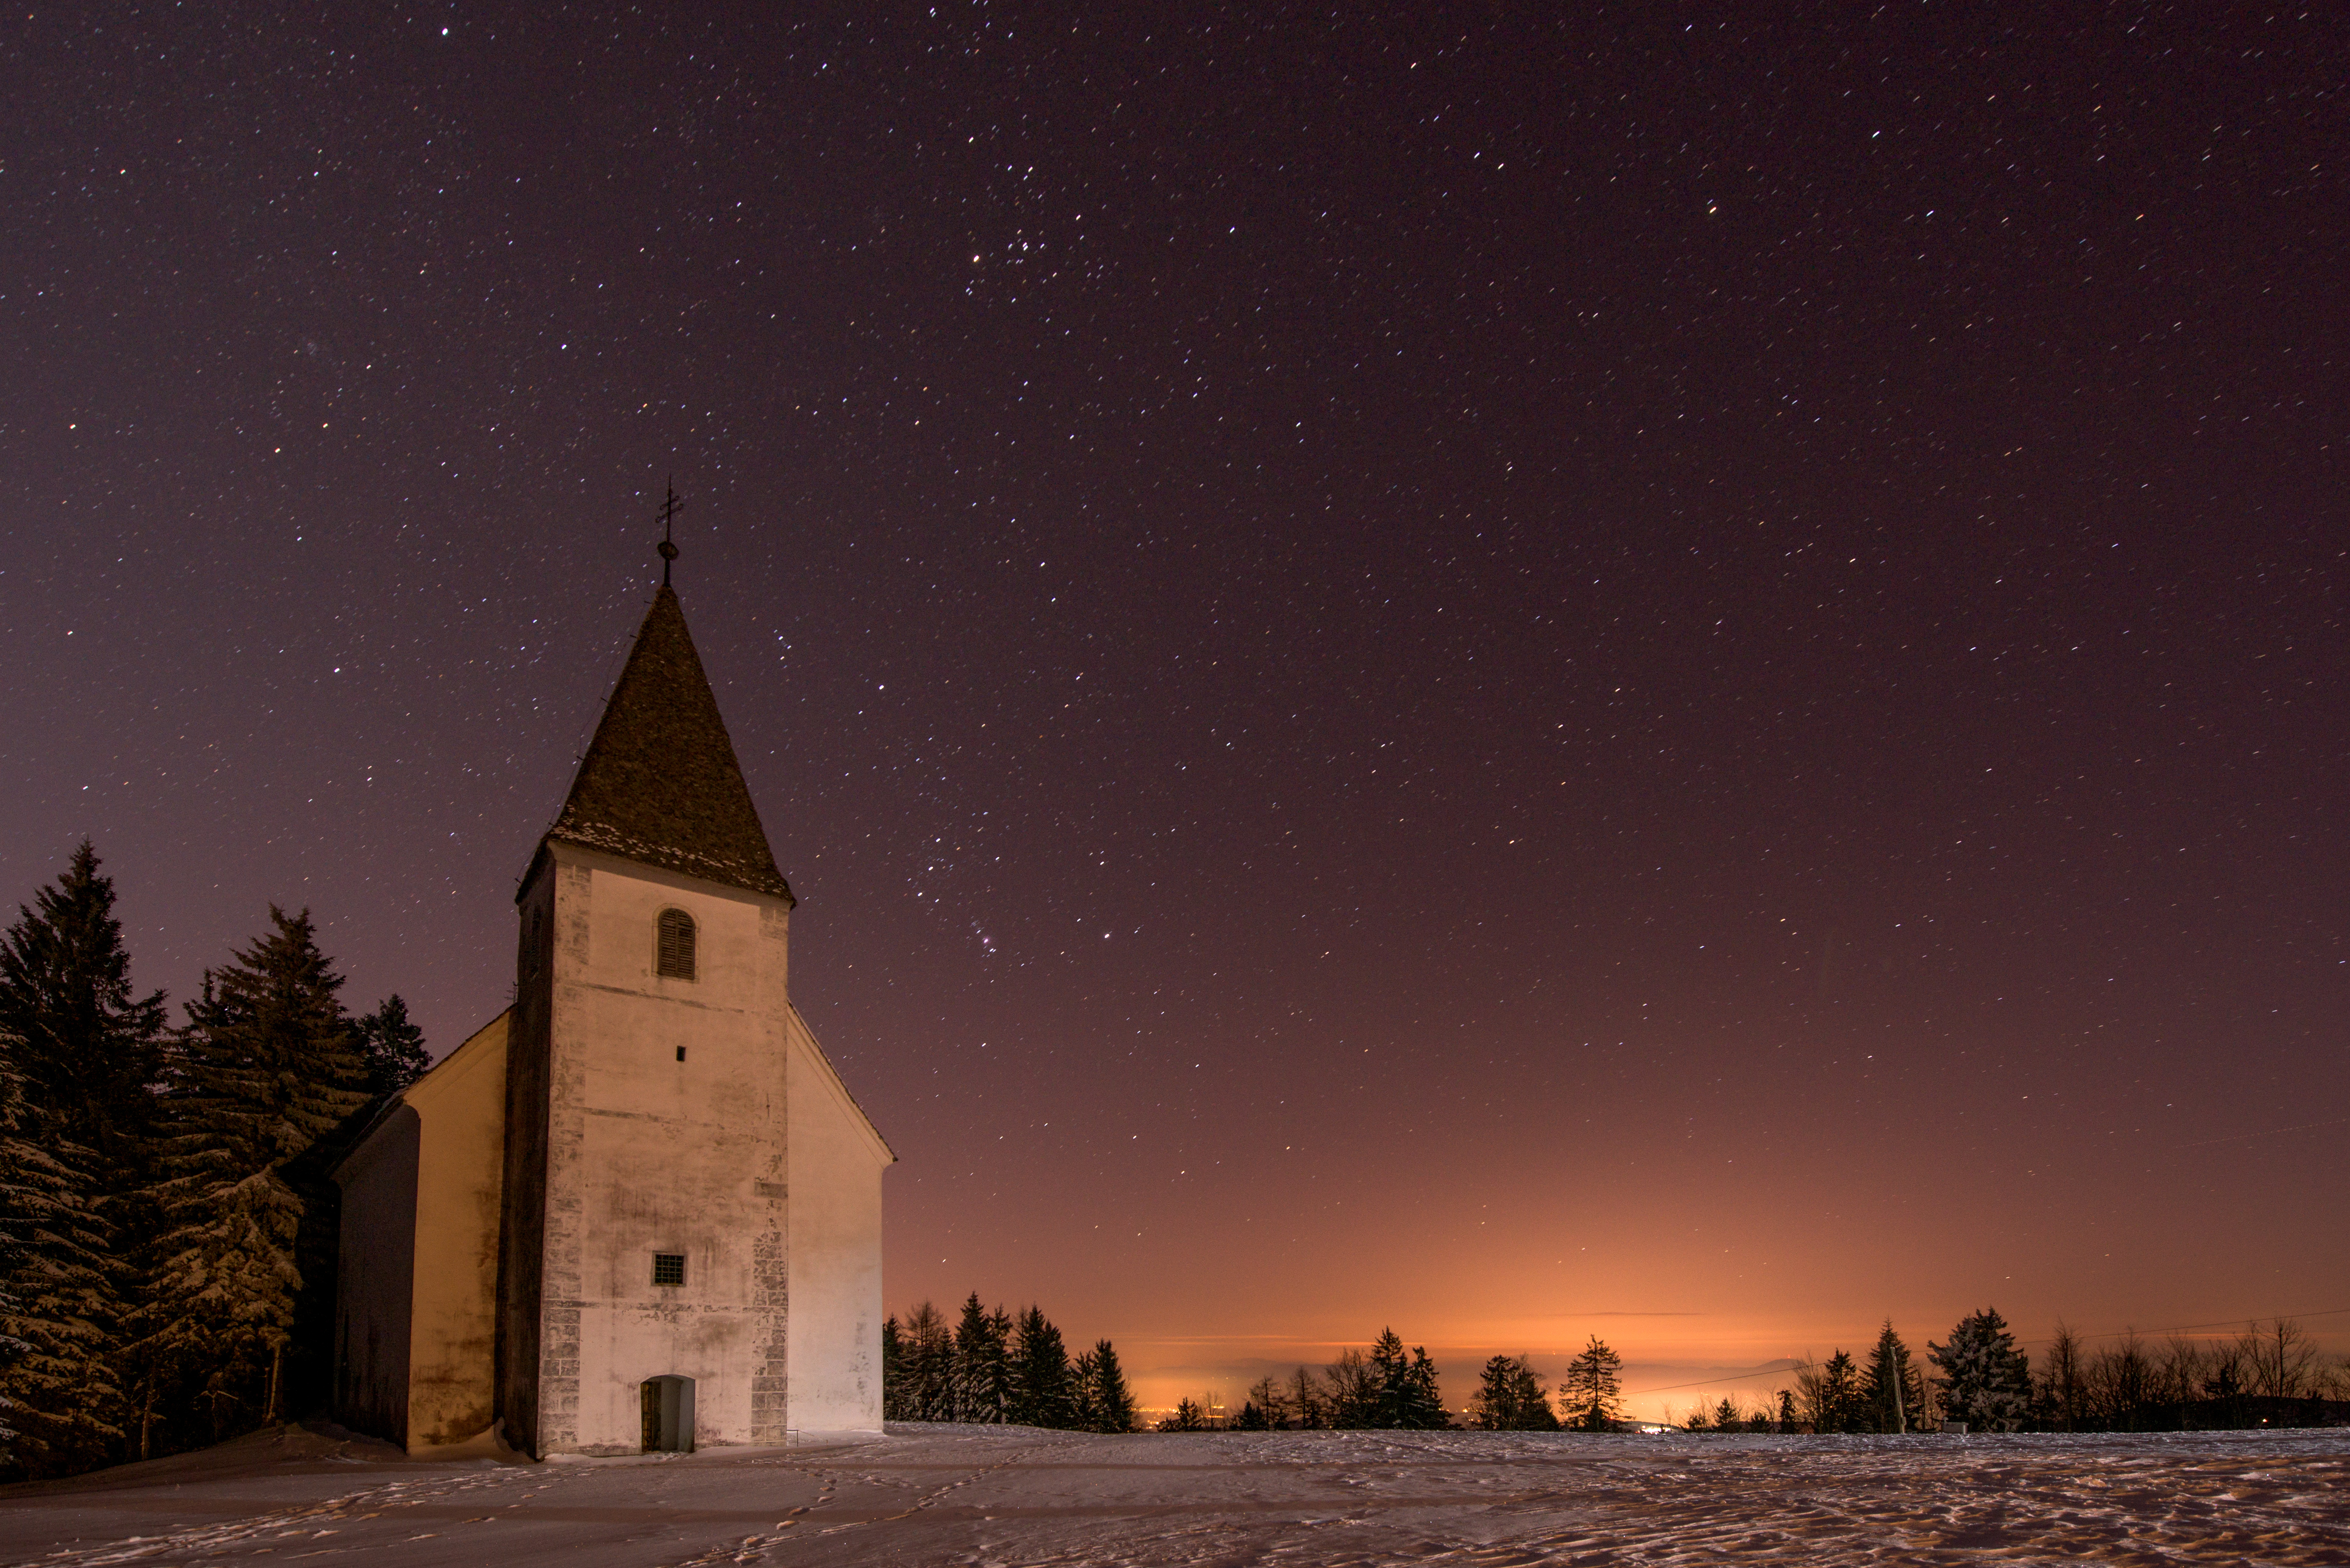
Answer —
660 783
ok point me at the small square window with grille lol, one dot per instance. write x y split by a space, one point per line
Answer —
669 1267
673 956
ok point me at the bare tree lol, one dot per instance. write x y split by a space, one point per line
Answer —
2121 1383
1273 1400
2178 1373
2279 1358
2063 1380
1313 1405
1354 1386
1827 1393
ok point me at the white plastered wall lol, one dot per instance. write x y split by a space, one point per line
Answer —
836 1162
460 1167
648 1153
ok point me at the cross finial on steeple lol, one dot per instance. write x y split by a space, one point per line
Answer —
667 546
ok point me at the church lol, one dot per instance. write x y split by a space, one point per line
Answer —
638 1211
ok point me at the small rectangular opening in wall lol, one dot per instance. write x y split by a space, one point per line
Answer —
669 1267
680 1053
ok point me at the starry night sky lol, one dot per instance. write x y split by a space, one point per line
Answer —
1655 674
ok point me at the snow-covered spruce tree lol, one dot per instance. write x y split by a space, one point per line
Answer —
1892 1387
240 1295
893 1372
982 1372
1042 1393
926 1351
59 1402
11 1349
1590 1395
391 1047
90 1050
13 1203
87 1051
1987 1380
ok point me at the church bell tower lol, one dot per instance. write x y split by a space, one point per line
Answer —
690 1241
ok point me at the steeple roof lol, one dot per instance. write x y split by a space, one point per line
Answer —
660 783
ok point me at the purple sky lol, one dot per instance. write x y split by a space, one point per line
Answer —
1665 676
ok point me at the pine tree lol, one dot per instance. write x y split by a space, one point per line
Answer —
1388 1364
1405 1393
1105 1404
90 1050
1271 1398
926 1349
982 1383
392 1047
1987 1380
240 1313
1511 1398
59 1400
893 1372
11 1259
1042 1392
86 1054
1494 1406
1186 1417
1726 1418
1892 1389
1590 1395
1417 1405
1830 1395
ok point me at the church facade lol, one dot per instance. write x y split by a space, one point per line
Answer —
638 1210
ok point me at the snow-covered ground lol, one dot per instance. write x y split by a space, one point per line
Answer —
972 1495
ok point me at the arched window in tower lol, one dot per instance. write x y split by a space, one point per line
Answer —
674 948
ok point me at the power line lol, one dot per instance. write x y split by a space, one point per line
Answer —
2268 1132
2192 1328
1714 1382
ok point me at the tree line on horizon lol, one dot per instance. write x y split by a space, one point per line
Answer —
2271 1374
993 1368
167 1222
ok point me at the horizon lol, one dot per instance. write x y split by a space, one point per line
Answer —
1158 1379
